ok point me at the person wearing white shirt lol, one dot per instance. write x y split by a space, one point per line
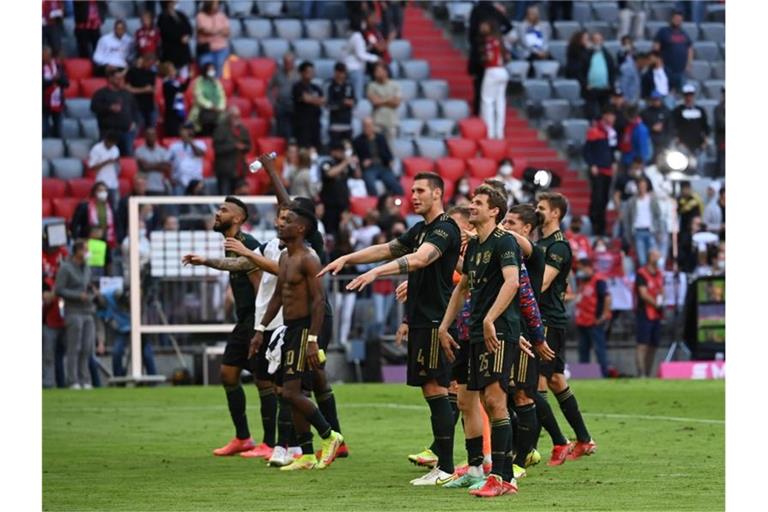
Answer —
186 160
104 158
356 57
114 49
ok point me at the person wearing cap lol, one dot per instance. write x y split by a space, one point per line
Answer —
658 119
593 312
676 49
341 101
186 159
690 125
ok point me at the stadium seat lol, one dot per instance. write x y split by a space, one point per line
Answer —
482 168
267 144
54 188
80 188
228 85
244 104
125 186
430 148
238 68
423 109
334 48
77 69
606 11
692 29
600 26
72 90
568 89
65 207
263 108
558 51
519 164
70 128
546 68
257 127
700 70
434 89
251 88
120 9
450 188
565 29
394 70
324 69
706 50
53 148
662 11
318 29
582 11
274 48
79 108
713 88
270 9
575 132
46 168
402 148
406 182
240 8
458 110
362 109
258 28
556 110
409 90
89 86
245 48
410 128
473 128
451 169
652 28
400 50
459 12
440 128
518 70
417 164
306 49
67 168
289 29
709 106
235 28
718 70
47 208
128 167
79 148
493 149
612 47
361 205
643 46
415 69
713 32
461 148
262 68
89 128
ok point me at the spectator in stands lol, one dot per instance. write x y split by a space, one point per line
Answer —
463 193
375 157
300 180
54 82
116 314
593 313
186 159
493 92
96 211
689 205
627 47
53 24
642 221
104 158
598 154
231 143
356 57
619 105
654 77
649 301
113 49
341 101
209 101
140 188
391 19
140 81
577 58
390 216
89 16
148 36
54 341
212 36
625 185
383 295
632 19
375 42
629 74
290 162
513 186
73 284
581 247
657 118
116 110
308 101
636 139
345 300
601 73
719 123
175 33
482 11
385 96
533 37
676 50
559 10
713 215
690 125
155 162
334 193
173 96
281 95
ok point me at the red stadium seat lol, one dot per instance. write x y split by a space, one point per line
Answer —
47 207
159 97
73 89
450 187
263 108
495 149
473 128
417 164
474 183
258 128
267 144
126 187
88 86
238 68
451 169
519 166
405 204
207 168
244 104
78 69
80 188
406 182
209 153
65 207
228 86
362 205
54 188
251 88
482 168
128 167
262 67
461 148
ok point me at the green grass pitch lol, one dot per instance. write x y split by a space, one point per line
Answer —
661 447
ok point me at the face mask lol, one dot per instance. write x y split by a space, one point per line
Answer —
86 256
347 153
600 248
102 195
211 73
464 189
505 170
582 276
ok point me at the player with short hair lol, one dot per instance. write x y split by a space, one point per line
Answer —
428 253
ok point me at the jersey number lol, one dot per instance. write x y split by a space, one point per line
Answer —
289 358
483 362
420 358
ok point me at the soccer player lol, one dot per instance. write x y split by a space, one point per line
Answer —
300 294
551 208
428 253
229 219
491 274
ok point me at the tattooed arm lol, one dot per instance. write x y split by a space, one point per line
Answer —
372 254
237 264
423 257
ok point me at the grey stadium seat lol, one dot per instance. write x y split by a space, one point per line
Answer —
600 26
362 109
565 29
692 29
402 110
306 49
79 148
240 8
341 26
258 28
706 50
713 32
334 48
575 133
270 9
67 168
612 47
394 70
546 68
89 128
134 24
79 108
403 148
46 169
606 11
518 69
289 29
53 148
409 90
662 11
187 7
643 46
712 88
274 48
441 128
235 28
718 70
415 69
556 110
70 128
582 11
434 89
431 148
319 30
458 12
455 109
700 70
652 28
410 128
400 49
245 48
324 68
558 50
568 89
709 107
537 90
120 9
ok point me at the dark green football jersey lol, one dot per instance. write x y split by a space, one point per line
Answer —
483 264
242 289
535 266
557 254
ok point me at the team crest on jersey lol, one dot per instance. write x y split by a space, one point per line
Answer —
441 233
508 254
487 257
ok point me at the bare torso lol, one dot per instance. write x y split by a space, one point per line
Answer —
295 289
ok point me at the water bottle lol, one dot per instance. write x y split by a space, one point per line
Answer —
256 164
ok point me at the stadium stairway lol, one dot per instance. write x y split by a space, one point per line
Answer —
448 63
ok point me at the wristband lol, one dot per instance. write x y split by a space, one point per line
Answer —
312 338
261 328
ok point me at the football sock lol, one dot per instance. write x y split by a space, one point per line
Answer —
442 428
570 408
474 451
285 425
500 434
268 415
454 399
304 440
547 418
508 472
526 429
317 420
236 403
326 402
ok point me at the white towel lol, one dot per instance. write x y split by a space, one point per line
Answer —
275 349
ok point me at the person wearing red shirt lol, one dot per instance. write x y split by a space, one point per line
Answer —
54 82
53 24
649 302
54 342
580 245
493 92
593 311
148 36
